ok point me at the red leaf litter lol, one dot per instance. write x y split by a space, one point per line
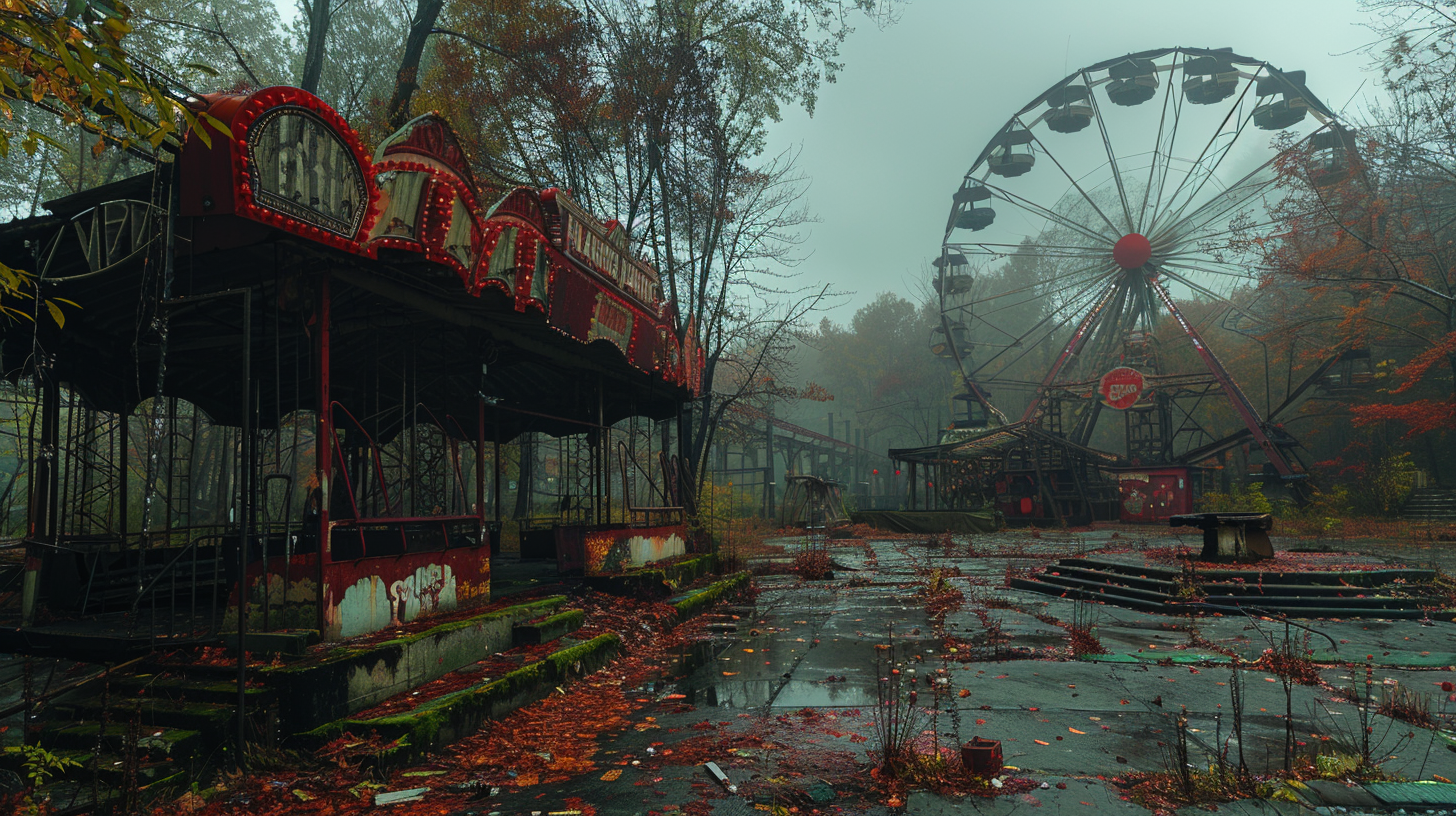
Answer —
549 741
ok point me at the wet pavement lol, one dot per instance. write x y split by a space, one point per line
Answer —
783 702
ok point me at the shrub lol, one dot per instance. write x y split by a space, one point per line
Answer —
1386 486
1249 498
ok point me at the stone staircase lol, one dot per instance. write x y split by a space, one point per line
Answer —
1430 504
1391 593
157 723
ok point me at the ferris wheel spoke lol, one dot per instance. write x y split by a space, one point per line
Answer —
1084 290
1018 248
985 250
1050 215
1080 274
1234 108
1238 195
1075 184
1051 315
1211 170
1097 294
1256 183
1111 158
1204 263
1158 141
1204 236
1207 292
1172 143
1255 186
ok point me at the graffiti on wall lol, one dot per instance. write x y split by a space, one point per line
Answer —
371 604
611 551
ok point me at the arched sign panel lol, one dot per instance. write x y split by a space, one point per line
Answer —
300 167
292 164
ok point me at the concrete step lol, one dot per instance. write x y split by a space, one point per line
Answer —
210 719
1378 593
169 686
1430 504
109 769
158 743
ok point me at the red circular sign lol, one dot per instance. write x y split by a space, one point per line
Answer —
1120 388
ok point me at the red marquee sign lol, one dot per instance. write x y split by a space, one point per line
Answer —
294 165
1121 388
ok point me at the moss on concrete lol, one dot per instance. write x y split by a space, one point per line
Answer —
696 601
549 629
655 581
349 679
443 720
524 611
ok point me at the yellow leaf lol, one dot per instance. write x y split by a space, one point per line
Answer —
56 314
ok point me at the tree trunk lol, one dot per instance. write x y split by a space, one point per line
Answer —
406 79
319 15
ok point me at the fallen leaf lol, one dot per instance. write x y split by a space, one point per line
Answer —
1075 731
1041 742
612 775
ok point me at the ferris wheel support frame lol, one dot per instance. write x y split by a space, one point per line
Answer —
1236 397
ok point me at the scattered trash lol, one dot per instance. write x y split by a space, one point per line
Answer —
395 797
717 773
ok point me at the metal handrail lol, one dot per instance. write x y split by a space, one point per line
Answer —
168 571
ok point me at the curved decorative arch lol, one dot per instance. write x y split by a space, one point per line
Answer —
289 161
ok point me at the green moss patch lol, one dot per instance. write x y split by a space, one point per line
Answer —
525 611
349 679
441 721
548 629
692 603
655 582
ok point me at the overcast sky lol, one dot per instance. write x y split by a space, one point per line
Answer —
916 102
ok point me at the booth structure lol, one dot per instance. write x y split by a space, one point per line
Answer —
287 373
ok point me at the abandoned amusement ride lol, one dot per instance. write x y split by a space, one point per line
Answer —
1126 183
284 377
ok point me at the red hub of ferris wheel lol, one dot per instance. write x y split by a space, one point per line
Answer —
1132 251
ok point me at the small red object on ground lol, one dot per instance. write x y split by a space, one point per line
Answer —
981 756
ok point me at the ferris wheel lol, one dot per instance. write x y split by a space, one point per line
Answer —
1126 188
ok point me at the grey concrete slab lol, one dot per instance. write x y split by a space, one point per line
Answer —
1080 796
813 650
